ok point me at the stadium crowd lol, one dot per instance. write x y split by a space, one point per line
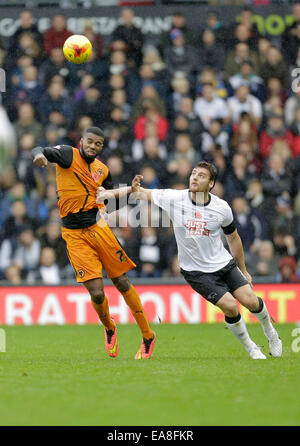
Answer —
223 94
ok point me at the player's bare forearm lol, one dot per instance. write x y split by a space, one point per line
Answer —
236 249
143 194
138 192
108 194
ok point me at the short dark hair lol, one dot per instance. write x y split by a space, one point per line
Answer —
213 173
95 130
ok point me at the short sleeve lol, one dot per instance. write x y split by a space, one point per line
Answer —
227 216
166 198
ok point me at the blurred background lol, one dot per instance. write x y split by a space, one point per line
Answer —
171 83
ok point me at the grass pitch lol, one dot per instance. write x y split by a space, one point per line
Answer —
199 375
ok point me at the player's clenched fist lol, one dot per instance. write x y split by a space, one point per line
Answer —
40 160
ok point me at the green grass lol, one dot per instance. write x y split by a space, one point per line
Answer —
198 375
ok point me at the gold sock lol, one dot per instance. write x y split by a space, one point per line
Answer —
103 313
134 302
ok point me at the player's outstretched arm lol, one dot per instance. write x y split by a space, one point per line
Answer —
135 188
237 251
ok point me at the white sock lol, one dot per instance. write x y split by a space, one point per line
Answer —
264 318
240 331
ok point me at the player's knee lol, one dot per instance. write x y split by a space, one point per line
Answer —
231 309
250 301
122 283
98 296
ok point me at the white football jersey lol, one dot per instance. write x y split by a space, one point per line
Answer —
197 228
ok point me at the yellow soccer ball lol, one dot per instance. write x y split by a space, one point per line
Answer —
77 49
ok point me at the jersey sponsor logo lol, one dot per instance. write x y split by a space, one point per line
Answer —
196 227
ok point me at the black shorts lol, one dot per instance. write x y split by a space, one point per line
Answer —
212 286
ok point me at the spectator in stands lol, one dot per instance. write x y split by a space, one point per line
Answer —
178 22
93 104
208 76
263 46
150 114
184 149
96 39
275 66
119 99
246 76
242 34
287 270
119 174
28 89
209 106
245 132
57 34
48 271
23 164
151 56
128 33
215 137
264 262
14 223
179 57
284 242
180 89
214 23
275 178
150 178
210 53
56 63
186 108
275 131
86 82
51 238
146 78
242 102
246 18
152 157
236 57
54 100
13 275
257 199
149 253
245 222
178 173
238 177
181 125
148 96
26 24
27 253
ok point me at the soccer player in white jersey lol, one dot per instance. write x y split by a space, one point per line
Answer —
220 276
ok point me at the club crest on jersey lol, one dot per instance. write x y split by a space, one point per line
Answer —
198 214
81 273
